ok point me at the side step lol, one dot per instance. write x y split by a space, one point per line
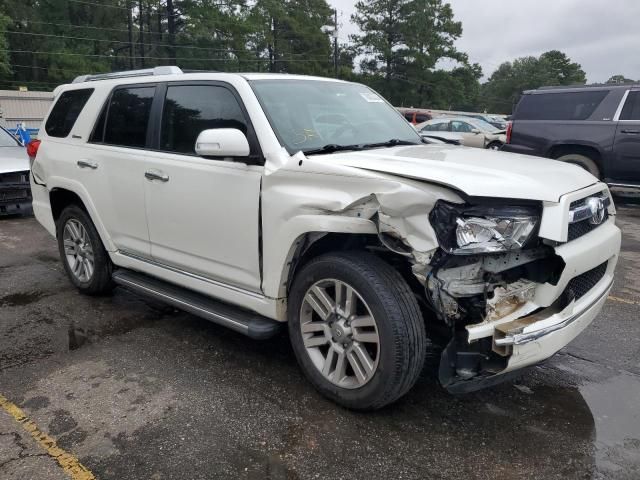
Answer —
242 321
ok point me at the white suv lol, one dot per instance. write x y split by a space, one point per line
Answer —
255 200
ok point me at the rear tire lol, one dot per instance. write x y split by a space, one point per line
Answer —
85 260
383 319
582 161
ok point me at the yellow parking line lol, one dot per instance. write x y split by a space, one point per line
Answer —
70 464
623 300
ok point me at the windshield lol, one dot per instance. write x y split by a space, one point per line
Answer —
308 115
6 139
484 126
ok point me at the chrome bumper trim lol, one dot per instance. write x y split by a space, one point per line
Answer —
522 338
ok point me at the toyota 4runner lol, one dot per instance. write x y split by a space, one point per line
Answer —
256 200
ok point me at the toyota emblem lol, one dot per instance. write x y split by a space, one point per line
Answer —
597 207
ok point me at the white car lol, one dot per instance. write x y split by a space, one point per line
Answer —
15 192
472 131
259 200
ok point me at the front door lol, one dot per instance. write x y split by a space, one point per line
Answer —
471 136
625 165
203 214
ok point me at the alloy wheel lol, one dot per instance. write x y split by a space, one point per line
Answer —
78 250
339 333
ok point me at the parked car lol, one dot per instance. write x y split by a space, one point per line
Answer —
15 191
415 116
246 199
474 132
595 127
496 122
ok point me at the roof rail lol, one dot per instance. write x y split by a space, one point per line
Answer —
164 70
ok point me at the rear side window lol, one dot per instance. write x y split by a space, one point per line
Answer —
128 117
559 106
631 110
190 109
65 112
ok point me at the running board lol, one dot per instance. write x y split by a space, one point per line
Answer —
242 321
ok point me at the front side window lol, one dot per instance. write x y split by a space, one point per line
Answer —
190 109
631 110
128 117
65 112
461 127
308 115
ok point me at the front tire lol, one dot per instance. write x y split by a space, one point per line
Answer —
356 329
85 260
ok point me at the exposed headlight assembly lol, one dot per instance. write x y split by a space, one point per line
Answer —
467 230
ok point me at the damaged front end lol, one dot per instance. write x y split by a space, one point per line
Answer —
485 274
15 193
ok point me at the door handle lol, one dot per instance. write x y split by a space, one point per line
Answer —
630 132
85 164
156 175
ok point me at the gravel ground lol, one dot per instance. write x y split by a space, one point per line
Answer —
137 390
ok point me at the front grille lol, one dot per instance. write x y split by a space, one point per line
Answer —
14 177
14 194
578 229
579 286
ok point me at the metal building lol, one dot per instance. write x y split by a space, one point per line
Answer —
28 107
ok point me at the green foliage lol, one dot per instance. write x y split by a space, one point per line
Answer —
5 69
403 42
506 84
620 79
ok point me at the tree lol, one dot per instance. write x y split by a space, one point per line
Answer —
620 79
5 69
402 42
505 85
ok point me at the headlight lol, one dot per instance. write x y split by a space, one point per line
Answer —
467 230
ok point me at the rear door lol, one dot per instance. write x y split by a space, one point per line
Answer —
203 213
112 166
625 166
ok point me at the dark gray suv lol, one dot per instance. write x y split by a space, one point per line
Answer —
596 127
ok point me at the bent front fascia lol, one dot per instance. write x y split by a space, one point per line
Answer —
305 197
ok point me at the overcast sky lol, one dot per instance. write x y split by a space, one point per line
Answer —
602 35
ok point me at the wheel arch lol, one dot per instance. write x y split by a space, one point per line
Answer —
63 195
590 151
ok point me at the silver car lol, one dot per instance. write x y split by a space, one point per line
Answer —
473 132
15 192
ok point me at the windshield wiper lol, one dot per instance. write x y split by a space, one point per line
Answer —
330 148
389 143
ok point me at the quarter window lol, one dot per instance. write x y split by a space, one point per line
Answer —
559 105
631 110
128 117
190 109
65 112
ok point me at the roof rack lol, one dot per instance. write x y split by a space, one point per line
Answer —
165 70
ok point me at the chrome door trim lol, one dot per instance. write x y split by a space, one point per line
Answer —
195 276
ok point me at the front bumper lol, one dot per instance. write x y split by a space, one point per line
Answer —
546 323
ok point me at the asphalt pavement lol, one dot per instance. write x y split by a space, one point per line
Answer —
120 387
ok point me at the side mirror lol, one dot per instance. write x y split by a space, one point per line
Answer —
222 142
475 131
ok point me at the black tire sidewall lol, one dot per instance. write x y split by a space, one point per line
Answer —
375 389
100 279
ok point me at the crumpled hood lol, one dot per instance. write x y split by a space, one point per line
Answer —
13 159
476 172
